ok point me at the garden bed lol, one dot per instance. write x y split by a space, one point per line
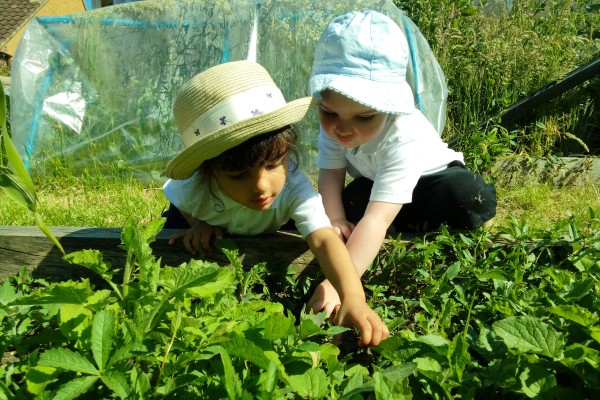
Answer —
27 246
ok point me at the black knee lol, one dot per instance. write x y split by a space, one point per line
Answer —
175 220
355 198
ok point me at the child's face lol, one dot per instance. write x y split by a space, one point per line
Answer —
349 123
257 187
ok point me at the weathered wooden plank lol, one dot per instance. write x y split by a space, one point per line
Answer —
27 246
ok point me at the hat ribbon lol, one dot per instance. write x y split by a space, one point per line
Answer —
239 107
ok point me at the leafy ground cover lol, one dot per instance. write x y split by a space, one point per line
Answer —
511 314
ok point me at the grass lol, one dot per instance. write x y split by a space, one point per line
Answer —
95 201
90 201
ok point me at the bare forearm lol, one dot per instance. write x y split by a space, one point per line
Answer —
335 262
365 242
331 184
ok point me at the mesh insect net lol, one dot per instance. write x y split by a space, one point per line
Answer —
95 90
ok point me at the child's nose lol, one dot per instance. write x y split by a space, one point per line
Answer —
343 129
261 182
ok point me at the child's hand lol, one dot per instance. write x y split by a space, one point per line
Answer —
198 237
325 298
356 312
343 228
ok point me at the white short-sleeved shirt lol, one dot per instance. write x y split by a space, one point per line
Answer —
298 200
407 148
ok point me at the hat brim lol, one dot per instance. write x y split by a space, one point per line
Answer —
185 163
393 98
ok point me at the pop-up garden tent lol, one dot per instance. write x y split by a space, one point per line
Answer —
96 89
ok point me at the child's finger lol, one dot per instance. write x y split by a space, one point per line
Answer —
176 236
205 242
188 243
314 305
379 330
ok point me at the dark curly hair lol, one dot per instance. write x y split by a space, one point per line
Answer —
257 151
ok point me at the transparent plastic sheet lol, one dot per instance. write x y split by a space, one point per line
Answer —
95 90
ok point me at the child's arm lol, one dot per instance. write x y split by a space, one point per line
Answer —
339 269
366 239
363 245
331 182
198 236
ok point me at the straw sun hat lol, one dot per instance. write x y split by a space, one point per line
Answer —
223 107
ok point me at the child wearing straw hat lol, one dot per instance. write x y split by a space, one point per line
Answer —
236 175
405 177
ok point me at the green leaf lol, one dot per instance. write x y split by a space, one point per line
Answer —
278 326
494 274
400 372
578 353
90 259
530 335
575 313
11 151
595 333
75 321
199 278
39 377
536 380
310 324
458 355
46 231
117 382
3 109
233 384
60 293
103 327
453 271
16 190
75 388
312 384
126 352
434 340
243 348
355 382
270 379
65 359
580 289
7 292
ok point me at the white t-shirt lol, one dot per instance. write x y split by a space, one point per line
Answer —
407 148
298 200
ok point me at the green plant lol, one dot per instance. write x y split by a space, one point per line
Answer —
14 177
507 315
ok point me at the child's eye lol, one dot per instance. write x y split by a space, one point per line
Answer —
365 117
236 175
327 112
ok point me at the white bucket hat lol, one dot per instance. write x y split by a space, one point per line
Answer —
364 55
223 107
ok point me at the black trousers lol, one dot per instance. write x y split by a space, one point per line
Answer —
455 196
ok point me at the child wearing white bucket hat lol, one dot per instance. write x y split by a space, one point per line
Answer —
235 175
405 176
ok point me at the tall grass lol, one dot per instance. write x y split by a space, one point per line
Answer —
493 59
